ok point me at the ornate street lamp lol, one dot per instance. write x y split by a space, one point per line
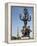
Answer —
26 18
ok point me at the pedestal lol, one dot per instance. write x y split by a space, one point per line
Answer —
24 38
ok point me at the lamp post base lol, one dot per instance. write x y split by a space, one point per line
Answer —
24 38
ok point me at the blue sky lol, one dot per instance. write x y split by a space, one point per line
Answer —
16 22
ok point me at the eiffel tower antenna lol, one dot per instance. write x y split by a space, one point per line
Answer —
17 32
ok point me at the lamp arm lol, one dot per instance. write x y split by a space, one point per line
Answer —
20 17
29 19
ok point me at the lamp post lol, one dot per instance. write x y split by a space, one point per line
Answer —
26 18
